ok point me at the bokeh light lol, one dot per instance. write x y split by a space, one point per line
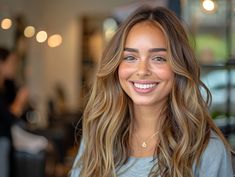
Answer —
6 23
110 26
208 5
54 40
29 31
41 36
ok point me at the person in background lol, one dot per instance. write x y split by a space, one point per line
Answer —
12 104
146 115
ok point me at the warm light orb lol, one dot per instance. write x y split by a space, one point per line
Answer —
41 36
54 40
208 5
29 31
6 23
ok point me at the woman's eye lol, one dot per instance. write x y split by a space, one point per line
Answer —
129 58
159 59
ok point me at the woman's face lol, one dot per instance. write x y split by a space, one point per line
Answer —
144 73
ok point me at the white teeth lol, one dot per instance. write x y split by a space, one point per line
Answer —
144 86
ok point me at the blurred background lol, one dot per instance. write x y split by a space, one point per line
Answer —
57 45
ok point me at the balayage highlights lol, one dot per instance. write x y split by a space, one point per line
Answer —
185 125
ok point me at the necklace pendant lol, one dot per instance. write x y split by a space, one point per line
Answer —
144 145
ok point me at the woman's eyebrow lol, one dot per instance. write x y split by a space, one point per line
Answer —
131 50
150 50
157 49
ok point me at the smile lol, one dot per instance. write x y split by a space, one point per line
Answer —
144 86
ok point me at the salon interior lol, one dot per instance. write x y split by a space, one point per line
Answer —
58 45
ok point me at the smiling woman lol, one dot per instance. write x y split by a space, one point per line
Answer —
146 115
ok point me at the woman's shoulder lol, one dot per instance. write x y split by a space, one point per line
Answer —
215 160
215 151
215 146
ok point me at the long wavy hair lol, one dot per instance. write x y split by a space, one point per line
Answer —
107 119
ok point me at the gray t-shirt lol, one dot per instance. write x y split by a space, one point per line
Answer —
215 162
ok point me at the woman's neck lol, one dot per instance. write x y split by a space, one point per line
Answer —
146 125
146 119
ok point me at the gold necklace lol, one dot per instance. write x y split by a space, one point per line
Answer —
144 144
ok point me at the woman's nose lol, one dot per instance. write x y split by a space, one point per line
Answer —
143 68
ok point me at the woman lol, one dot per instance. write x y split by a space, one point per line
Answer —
146 115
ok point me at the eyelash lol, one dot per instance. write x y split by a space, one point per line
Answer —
157 59
129 58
